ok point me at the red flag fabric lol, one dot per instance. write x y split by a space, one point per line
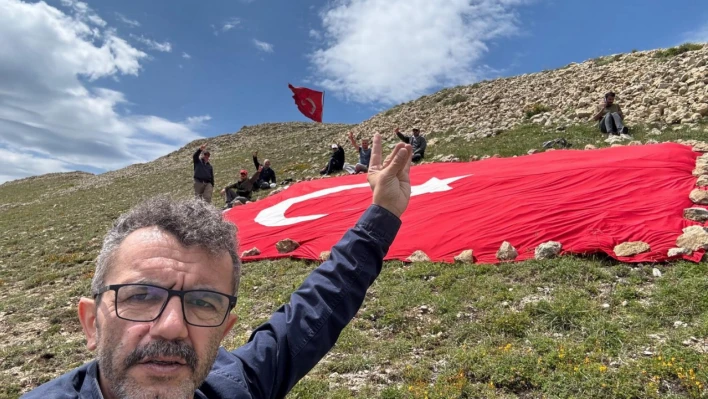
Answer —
589 201
309 102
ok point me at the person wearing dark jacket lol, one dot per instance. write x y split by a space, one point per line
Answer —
240 192
336 161
267 174
203 174
166 284
416 141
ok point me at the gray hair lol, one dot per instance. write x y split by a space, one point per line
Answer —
192 222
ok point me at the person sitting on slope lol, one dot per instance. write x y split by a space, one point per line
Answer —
267 174
416 141
240 192
336 161
610 116
364 154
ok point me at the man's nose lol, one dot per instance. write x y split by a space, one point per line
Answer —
171 324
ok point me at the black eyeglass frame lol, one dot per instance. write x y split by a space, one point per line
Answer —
170 294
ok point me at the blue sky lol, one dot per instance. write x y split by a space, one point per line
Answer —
99 84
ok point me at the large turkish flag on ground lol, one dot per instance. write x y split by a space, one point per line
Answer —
309 102
589 201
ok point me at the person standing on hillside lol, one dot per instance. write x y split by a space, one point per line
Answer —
416 141
240 192
364 154
267 174
610 116
166 284
336 160
203 174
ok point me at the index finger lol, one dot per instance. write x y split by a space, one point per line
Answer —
376 150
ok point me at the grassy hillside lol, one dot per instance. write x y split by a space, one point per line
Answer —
572 327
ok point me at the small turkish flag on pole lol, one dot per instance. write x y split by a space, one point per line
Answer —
309 102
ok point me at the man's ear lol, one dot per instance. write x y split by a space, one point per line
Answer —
87 316
229 322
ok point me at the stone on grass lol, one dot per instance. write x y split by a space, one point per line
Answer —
635 142
590 147
251 252
507 252
700 146
656 272
631 248
466 256
418 256
679 252
693 238
696 214
287 245
548 250
324 255
699 196
702 181
532 151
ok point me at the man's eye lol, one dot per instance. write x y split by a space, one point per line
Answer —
200 303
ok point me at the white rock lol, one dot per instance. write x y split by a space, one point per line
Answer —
699 196
678 252
287 245
507 252
466 256
656 272
251 252
547 250
631 248
418 256
696 214
693 238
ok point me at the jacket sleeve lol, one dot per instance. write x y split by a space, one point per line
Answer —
272 173
255 162
255 177
403 137
195 157
281 351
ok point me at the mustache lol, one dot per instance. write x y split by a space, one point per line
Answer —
163 348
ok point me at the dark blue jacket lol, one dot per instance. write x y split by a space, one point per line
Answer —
267 174
202 170
281 351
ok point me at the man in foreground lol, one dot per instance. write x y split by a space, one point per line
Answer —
610 116
364 154
240 192
416 141
165 284
267 176
203 174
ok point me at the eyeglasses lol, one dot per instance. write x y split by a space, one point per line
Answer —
145 303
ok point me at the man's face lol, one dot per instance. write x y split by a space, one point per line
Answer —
244 176
365 144
266 163
206 157
416 132
165 358
610 100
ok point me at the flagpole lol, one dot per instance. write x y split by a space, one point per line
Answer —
323 94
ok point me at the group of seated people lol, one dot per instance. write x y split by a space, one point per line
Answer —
610 117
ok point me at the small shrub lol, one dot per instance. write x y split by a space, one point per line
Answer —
535 109
674 51
456 99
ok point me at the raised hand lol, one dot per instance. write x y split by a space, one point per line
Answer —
202 147
255 154
390 179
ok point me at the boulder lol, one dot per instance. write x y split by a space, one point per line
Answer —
693 238
700 147
286 246
251 252
590 147
699 196
418 256
507 252
466 256
702 181
696 214
548 250
679 252
631 248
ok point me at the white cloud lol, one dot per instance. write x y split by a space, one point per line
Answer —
84 12
165 47
130 22
263 46
315 34
53 112
197 121
389 51
230 24
186 56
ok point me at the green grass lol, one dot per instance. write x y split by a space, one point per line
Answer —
674 51
582 327
456 99
535 109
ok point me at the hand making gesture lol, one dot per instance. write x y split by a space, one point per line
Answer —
390 178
